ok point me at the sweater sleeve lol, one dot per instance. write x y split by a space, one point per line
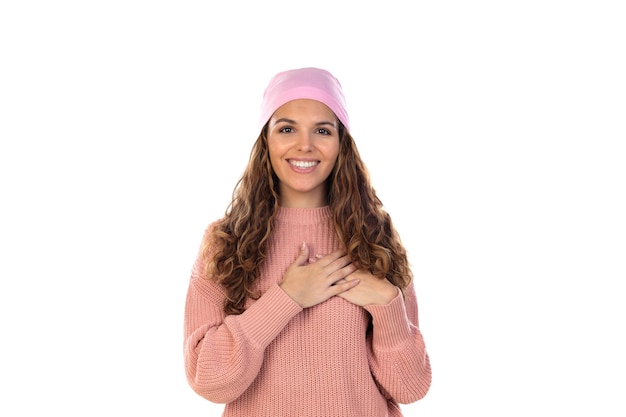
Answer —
223 354
397 352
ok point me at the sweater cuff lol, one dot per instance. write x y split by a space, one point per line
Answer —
392 328
268 316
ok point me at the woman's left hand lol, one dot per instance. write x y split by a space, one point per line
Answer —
369 290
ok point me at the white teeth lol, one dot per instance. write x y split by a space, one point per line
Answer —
303 164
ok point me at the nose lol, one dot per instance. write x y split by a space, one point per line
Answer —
305 141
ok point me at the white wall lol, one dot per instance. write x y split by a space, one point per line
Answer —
493 131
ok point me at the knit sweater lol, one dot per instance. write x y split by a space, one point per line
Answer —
277 359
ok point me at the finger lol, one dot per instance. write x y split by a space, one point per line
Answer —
331 257
303 254
341 274
340 263
343 286
315 258
335 260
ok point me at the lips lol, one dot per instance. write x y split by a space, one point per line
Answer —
303 164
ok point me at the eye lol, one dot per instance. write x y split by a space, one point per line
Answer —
285 129
323 131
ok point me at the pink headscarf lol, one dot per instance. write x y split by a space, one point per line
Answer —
312 83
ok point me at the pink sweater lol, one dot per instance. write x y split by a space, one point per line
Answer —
277 359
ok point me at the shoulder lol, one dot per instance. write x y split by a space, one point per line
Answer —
211 232
208 247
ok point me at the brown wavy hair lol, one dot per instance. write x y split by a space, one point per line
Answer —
237 244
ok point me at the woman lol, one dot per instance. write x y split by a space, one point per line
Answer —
301 301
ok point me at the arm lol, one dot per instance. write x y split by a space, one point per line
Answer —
397 353
223 354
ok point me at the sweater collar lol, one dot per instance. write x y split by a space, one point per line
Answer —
303 215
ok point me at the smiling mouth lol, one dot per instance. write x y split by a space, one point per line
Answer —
303 164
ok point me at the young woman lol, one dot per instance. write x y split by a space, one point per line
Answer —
301 300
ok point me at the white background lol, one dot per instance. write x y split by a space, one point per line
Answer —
493 132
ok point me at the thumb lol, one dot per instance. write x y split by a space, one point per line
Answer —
303 254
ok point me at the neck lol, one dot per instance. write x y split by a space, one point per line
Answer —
302 200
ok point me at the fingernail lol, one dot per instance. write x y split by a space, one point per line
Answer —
303 245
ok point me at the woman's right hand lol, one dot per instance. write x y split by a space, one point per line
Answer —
309 284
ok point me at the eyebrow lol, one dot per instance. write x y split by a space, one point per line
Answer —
293 122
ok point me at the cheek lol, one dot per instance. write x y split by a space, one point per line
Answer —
278 166
273 161
333 153
277 147
274 153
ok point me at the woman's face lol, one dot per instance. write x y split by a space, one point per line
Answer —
303 142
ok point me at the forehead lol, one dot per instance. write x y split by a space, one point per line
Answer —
303 108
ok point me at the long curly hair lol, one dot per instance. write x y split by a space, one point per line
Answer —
236 246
